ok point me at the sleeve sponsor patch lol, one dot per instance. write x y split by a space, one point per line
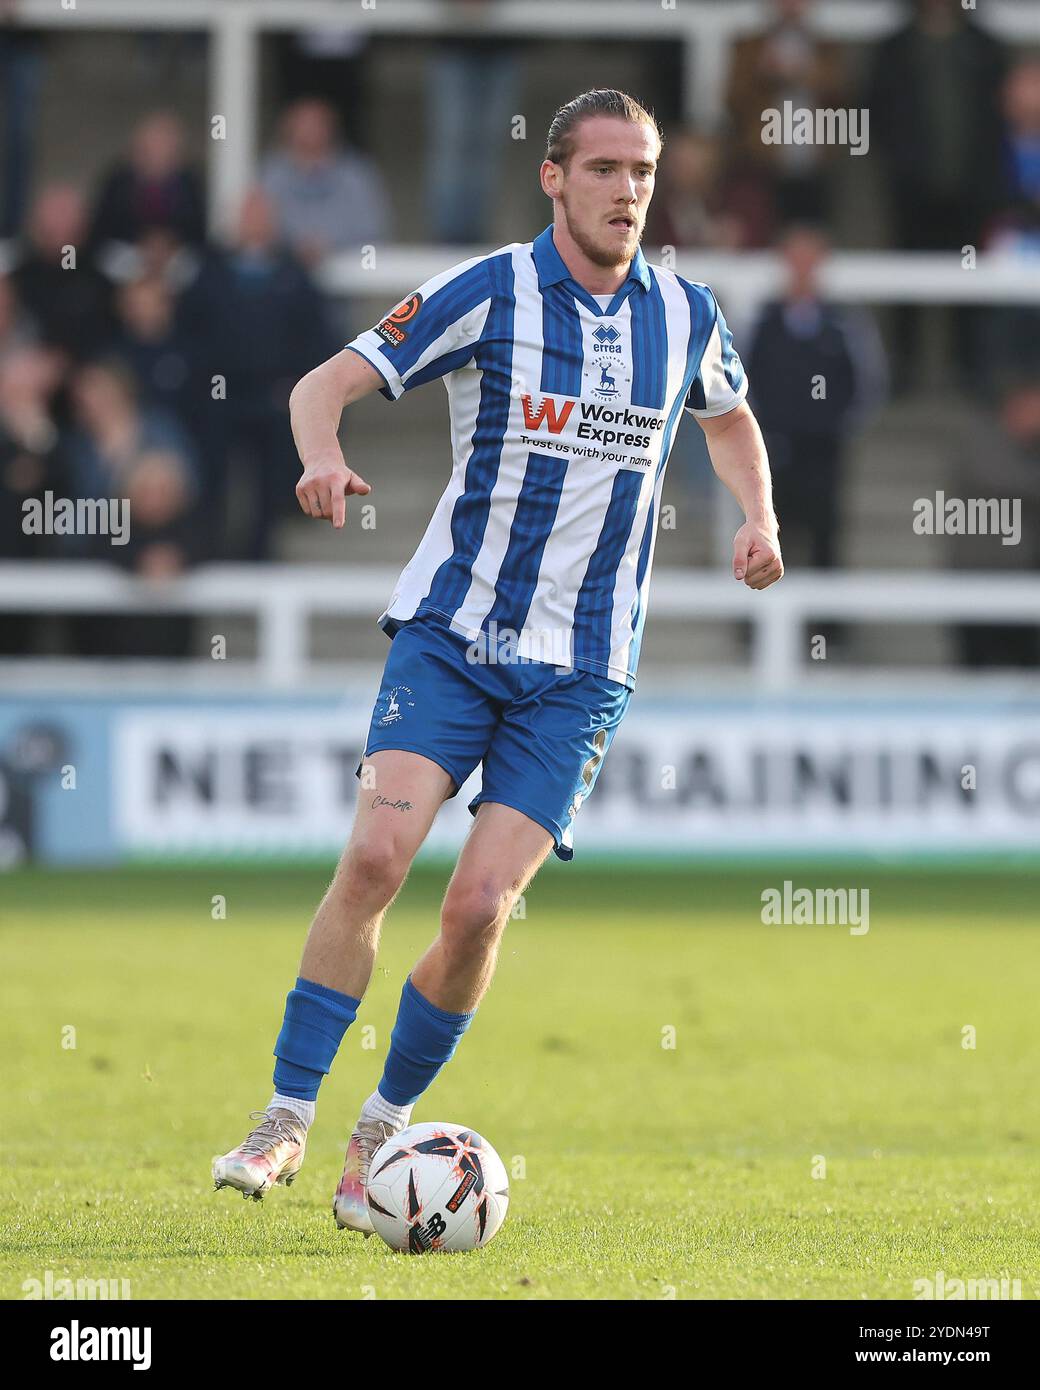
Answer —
392 329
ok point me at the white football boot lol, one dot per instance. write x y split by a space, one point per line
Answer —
271 1153
350 1204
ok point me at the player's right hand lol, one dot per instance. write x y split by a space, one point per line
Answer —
323 490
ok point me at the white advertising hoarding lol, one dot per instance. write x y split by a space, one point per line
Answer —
681 778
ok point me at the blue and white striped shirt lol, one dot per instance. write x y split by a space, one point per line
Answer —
563 413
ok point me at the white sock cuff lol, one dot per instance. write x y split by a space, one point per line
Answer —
302 1109
376 1108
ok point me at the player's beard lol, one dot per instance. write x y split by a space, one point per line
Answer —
597 252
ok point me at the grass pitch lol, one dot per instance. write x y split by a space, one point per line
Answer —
639 1170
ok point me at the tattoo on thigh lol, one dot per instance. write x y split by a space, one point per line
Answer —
393 805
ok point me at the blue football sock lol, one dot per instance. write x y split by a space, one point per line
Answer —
316 1018
424 1038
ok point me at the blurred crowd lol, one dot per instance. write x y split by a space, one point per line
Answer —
140 358
137 357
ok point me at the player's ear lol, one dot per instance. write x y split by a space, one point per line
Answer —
550 176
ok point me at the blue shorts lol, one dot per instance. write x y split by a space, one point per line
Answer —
541 733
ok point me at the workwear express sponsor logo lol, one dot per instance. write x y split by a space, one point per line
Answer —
603 424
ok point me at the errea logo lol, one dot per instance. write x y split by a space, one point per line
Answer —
606 338
604 366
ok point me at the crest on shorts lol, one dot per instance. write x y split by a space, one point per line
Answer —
397 701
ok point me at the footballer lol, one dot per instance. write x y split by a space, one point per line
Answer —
516 626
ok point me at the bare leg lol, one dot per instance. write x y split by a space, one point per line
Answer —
502 854
397 801
392 820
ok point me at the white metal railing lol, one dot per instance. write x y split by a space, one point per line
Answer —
705 28
283 597
742 279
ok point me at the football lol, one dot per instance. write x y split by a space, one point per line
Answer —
437 1187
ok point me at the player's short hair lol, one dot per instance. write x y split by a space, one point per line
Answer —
601 101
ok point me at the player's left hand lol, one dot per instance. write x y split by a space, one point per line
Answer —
756 556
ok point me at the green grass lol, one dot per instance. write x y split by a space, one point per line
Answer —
649 1172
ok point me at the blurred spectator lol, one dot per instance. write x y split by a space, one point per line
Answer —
934 114
21 69
69 300
256 323
29 377
16 327
786 62
815 369
697 203
471 95
120 450
1016 227
114 430
29 465
326 197
159 488
151 343
329 64
153 189
999 457
1012 331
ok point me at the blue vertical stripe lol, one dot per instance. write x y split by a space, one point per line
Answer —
694 352
594 606
731 363
494 357
533 520
595 603
539 498
702 325
649 348
450 303
562 353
